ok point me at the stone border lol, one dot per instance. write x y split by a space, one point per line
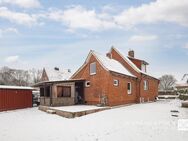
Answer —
67 114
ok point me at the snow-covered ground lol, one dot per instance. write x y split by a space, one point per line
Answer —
148 122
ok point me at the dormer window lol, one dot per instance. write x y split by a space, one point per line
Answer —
143 67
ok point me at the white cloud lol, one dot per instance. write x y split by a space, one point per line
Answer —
22 3
78 17
142 38
10 30
12 59
158 11
18 17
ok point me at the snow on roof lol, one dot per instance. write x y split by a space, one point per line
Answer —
15 87
111 64
57 75
183 82
132 64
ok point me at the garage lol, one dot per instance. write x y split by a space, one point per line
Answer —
15 97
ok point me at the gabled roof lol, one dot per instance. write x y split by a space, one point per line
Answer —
107 63
126 59
57 75
111 64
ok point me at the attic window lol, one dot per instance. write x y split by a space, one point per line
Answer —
116 82
143 67
93 68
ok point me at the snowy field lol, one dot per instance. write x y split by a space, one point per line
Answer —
148 122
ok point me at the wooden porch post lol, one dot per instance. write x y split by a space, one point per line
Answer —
44 94
51 102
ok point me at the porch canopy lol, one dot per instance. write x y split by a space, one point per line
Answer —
61 93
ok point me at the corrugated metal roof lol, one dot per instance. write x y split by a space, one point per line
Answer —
15 87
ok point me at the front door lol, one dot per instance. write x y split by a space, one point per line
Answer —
79 96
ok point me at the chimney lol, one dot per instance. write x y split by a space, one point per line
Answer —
56 68
131 53
109 55
69 70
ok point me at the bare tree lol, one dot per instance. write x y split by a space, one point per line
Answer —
6 76
17 77
21 78
35 75
167 82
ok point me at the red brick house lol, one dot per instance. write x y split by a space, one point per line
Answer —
111 79
115 79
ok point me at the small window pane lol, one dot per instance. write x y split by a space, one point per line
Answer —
87 83
129 90
64 91
145 85
92 68
116 82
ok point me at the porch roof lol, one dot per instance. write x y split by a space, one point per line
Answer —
55 82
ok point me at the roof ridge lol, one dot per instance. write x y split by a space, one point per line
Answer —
127 60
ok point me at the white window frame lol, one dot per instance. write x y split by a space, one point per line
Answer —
146 85
86 84
116 82
92 73
129 91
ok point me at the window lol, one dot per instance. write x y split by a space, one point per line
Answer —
45 91
116 82
93 68
143 67
41 92
129 90
67 91
64 91
145 85
87 83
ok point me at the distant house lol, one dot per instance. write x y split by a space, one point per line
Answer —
111 79
55 74
51 87
183 84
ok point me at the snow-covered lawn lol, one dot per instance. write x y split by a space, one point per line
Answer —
148 122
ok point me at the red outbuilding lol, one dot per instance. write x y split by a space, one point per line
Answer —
15 97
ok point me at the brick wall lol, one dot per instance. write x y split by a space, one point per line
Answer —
98 82
102 84
149 94
138 63
152 91
118 94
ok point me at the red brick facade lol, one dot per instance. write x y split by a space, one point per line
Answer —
102 83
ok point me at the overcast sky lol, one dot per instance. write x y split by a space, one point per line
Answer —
38 33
